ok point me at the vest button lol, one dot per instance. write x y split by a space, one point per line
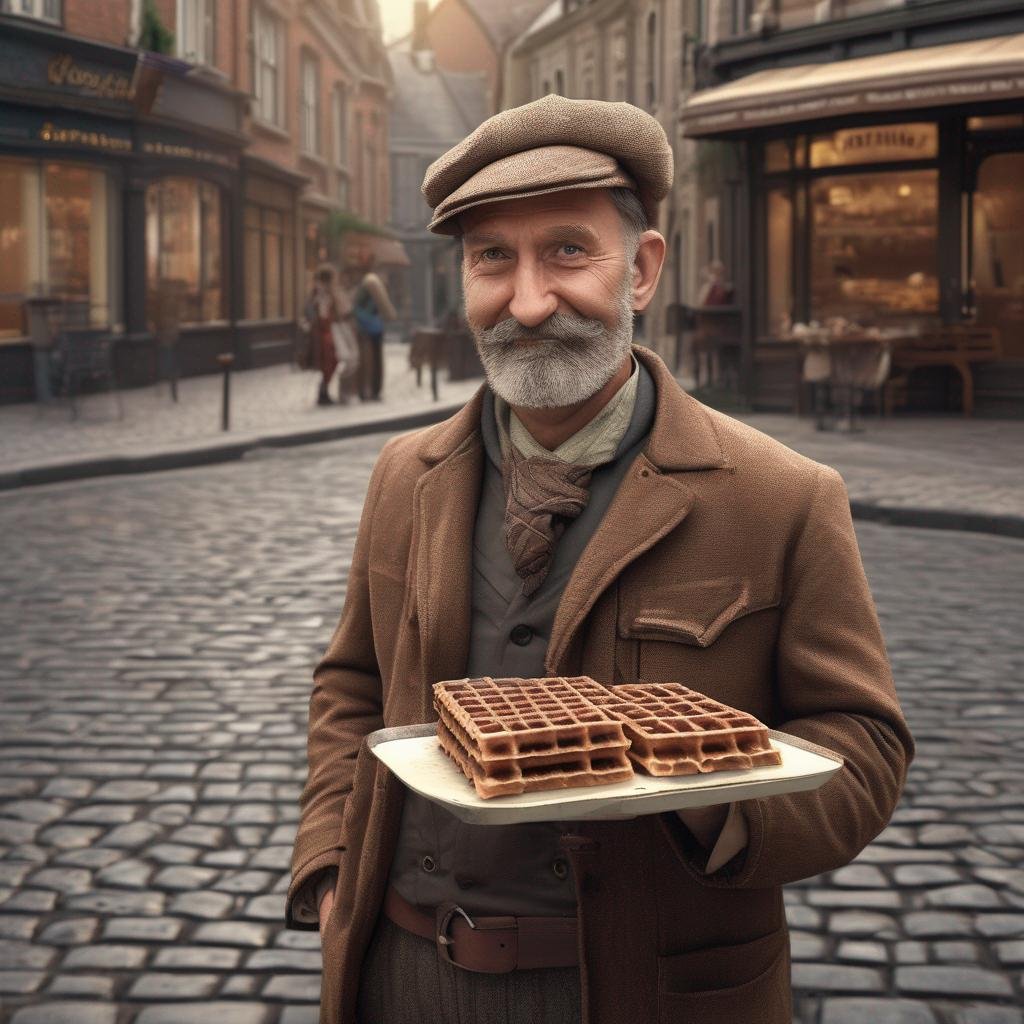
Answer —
428 863
521 635
560 868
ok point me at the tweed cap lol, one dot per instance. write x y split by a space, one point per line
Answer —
551 145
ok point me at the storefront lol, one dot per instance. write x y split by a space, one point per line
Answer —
118 178
885 194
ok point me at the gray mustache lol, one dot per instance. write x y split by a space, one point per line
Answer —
557 327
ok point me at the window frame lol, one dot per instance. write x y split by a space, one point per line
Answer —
38 13
203 12
266 24
309 105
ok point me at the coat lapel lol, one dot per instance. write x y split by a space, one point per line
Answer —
445 505
652 500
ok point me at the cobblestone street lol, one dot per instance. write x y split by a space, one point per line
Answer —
158 635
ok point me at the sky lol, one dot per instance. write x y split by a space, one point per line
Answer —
396 18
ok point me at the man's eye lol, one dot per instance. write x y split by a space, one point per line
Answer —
492 254
569 249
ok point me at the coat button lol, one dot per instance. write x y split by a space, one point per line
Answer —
560 868
428 863
521 634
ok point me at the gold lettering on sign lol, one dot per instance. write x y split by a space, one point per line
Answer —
77 137
64 72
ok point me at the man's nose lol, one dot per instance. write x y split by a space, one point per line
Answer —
532 300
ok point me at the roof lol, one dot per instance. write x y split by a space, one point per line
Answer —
505 20
933 76
434 105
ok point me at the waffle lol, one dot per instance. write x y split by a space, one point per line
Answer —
512 736
674 730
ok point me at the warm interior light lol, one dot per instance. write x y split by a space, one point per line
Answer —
904 191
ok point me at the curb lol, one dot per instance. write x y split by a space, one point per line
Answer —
121 465
940 519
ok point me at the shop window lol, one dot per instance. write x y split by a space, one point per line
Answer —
875 144
267 71
996 123
195 31
998 250
778 155
41 10
309 105
57 222
184 245
269 263
874 247
779 261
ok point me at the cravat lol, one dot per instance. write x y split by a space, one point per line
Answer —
541 497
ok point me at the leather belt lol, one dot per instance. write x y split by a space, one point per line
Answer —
489 945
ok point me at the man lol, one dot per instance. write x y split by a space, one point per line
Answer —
583 515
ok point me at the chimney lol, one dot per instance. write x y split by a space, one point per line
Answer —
420 13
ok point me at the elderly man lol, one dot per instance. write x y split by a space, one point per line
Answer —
583 515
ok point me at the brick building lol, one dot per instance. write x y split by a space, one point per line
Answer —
210 170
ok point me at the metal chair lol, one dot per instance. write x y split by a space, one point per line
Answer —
87 356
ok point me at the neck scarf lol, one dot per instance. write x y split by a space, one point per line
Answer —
545 491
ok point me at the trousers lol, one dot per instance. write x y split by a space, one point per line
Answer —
405 981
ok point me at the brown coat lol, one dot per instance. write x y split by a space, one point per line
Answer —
725 561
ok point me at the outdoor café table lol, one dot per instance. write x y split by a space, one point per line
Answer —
855 361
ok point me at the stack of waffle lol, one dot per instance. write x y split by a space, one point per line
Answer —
511 736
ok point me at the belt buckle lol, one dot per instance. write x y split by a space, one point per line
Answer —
444 921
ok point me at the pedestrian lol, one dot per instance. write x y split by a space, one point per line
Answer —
373 307
687 547
327 317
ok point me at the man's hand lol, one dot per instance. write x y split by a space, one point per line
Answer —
325 907
705 822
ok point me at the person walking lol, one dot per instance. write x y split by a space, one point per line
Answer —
373 307
327 308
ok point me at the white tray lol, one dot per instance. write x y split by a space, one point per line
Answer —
413 753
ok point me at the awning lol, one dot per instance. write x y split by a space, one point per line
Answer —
974 72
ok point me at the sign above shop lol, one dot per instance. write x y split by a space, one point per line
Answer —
185 150
65 72
26 127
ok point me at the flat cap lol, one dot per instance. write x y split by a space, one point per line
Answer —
551 145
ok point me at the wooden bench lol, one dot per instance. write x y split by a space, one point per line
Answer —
956 345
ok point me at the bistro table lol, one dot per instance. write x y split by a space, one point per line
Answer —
852 361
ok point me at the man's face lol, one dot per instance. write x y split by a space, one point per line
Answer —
549 295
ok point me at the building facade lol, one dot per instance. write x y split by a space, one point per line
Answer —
876 151
433 109
640 51
210 170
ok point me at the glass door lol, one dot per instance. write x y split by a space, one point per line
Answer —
997 250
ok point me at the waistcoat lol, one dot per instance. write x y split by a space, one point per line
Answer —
508 869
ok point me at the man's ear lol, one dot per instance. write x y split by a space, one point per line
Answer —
650 258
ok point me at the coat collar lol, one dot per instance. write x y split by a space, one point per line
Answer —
683 436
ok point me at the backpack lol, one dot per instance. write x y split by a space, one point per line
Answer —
367 314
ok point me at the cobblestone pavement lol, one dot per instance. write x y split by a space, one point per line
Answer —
935 463
156 646
947 463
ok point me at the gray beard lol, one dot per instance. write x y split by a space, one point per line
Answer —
570 360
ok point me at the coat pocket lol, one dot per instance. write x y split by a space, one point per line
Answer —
747 982
693 612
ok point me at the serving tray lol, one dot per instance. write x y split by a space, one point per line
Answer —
412 752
